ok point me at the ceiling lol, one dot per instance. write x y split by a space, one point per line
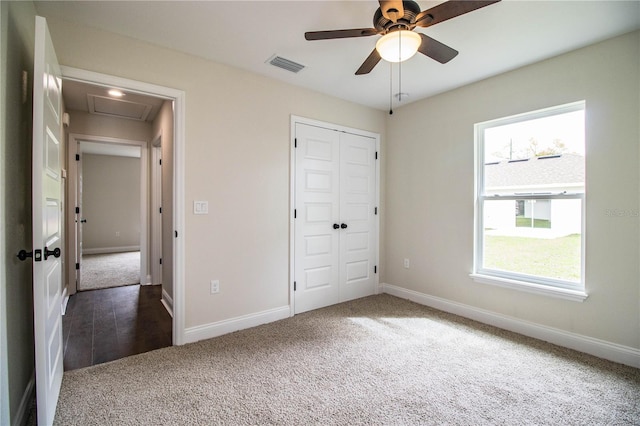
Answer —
246 34
97 100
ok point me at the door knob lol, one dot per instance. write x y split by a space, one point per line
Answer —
83 220
23 254
343 226
336 226
55 252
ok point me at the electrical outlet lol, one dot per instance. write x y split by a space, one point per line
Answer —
406 263
215 286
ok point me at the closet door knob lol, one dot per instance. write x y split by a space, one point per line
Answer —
336 226
343 226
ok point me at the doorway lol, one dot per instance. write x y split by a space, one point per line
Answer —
111 187
172 144
113 311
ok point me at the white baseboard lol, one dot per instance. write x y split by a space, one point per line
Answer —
167 301
597 347
207 331
105 250
25 403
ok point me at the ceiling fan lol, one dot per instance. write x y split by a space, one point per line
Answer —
397 19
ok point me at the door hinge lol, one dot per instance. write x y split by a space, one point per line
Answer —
375 210
295 143
161 261
77 266
160 161
375 269
376 155
176 234
295 286
295 213
160 210
77 210
77 157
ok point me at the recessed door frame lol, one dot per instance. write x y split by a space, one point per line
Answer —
179 110
292 192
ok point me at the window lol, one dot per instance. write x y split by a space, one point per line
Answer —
530 181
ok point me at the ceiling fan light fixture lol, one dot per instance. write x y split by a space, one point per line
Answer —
398 46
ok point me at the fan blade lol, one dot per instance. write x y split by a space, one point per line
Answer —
326 35
436 50
448 10
369 63
392 9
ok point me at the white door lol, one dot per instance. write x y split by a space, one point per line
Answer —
79 220
156 214
357 216
317 223
47 214
335 232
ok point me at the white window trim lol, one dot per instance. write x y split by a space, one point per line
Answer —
531 284
530 287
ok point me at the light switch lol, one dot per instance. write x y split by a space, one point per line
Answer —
200 207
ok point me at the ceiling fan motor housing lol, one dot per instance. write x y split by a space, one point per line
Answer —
385 25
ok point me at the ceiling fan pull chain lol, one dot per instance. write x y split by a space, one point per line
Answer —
390 88
400 82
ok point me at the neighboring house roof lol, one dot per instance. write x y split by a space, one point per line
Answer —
547 170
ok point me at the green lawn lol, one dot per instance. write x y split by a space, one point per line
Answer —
525 222
555 258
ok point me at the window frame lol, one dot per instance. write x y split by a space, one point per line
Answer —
530 283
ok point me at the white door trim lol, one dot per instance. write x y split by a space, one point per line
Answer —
73 141
4 373
179 111
292 199
155 215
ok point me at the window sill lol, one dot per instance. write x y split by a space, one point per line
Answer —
561 293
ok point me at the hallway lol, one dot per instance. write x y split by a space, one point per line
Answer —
109 324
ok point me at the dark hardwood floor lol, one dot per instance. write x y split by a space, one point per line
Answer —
105 325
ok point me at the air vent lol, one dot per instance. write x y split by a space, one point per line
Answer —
286 64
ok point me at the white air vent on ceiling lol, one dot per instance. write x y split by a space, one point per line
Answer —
285 64
118 108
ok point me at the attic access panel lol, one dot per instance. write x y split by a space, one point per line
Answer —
118 108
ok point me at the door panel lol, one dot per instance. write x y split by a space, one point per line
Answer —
47 220
316 242
357 211
335 185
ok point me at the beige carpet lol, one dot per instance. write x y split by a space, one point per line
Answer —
109 270
379 360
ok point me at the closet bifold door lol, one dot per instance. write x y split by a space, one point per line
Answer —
334 226
357 206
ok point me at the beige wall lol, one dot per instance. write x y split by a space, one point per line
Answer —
16 295
110 203
430 184
163 125
237 158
